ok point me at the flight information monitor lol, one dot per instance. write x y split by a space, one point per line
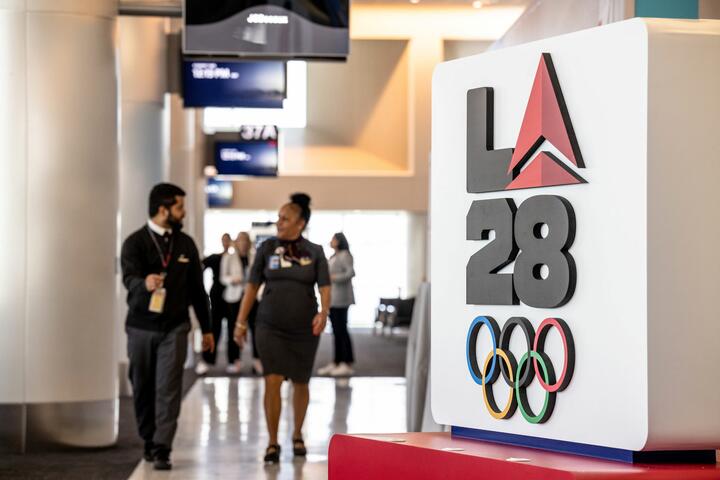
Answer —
255 153
259 84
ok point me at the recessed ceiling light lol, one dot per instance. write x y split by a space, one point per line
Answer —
477 4
414 2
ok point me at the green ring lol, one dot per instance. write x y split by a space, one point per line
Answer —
537 418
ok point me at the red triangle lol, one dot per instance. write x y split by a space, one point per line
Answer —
545 171
545 118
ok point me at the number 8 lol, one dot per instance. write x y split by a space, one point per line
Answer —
551 251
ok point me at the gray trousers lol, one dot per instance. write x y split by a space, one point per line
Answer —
156 372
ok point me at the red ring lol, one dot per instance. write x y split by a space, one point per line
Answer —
560 384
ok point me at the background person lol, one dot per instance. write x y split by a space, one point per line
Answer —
288 320
341 274
233 275
163 275
247 256
218 306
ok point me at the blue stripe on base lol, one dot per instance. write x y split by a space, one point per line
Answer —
607 453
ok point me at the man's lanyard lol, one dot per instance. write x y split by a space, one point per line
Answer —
165 259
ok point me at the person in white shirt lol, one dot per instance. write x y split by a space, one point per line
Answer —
232 276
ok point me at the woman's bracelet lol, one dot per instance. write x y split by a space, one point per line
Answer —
241 326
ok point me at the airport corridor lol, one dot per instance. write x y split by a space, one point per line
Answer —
221 430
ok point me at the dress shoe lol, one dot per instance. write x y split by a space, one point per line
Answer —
148 454
162 461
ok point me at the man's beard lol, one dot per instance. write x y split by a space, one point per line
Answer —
175 223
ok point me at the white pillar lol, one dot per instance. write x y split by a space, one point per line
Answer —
58 205
186 163
187 149
144 140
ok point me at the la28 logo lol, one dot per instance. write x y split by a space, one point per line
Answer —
537 236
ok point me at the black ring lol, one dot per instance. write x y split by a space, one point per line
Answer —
528 373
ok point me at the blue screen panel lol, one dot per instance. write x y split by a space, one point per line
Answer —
234 84
254 158
219 192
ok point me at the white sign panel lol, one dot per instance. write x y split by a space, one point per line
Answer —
574 241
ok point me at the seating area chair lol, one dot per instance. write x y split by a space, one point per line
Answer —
392 313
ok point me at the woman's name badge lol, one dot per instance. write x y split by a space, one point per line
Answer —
274 263
305 261
157 301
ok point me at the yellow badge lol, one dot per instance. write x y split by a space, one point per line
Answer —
157 301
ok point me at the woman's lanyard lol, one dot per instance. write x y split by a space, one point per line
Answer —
165 259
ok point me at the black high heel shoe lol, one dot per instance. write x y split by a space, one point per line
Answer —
299 449
272 454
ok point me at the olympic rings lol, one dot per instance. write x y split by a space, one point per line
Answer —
534 363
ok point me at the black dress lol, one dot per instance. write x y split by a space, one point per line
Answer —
290 271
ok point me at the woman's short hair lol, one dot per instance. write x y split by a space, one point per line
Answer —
302 200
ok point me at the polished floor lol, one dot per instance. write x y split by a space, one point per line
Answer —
221 432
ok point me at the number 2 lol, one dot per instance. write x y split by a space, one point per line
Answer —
484 286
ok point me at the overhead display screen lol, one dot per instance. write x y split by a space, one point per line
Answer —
289 29
219 192
234 84
254 154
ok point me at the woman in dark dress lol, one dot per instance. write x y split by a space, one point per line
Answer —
288 321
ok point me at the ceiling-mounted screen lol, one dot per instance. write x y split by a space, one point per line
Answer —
219 192
233 84
269 28
254 153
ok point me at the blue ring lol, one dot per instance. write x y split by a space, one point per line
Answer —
486 322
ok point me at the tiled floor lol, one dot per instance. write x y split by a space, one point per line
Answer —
222 432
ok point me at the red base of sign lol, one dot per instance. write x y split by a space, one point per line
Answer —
425 456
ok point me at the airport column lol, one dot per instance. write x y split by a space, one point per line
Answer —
144 143
187 151
58 223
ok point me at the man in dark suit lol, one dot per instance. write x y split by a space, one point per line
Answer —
163 275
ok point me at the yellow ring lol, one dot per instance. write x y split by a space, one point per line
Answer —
511 396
